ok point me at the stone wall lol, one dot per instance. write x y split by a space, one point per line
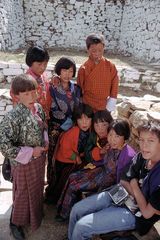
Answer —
66 23
140 29
139 78
138 111
10 69
130 27
5 102
11 24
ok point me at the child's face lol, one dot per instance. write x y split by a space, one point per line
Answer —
27 98
101 128
96 52
39 67
115 141
149 146
66 75
84 123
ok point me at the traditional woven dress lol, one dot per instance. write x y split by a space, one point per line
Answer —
95 179
98 82
71 144
44 97
63 103
20 131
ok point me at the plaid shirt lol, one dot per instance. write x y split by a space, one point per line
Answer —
98 82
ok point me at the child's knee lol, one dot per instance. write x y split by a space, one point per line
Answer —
83 228
79 230
74 212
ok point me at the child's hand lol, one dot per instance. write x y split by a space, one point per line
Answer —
105 149
54 80
89 166
78 160
37 151
46 147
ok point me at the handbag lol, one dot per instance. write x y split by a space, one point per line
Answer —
6 170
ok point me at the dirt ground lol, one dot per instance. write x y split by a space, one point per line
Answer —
78 56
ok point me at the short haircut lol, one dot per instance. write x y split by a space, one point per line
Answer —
102 116
121 127
81 109
23 83
150 126
65 63
36 54
94 39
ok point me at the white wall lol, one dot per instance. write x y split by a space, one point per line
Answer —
132 28
66 23
140 29
11 24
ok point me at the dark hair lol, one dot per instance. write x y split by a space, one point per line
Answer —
102 116
121 127
150 126
82 108
94 39
36 54
23 83
65 63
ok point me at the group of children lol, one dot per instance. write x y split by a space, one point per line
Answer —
71 125
97 214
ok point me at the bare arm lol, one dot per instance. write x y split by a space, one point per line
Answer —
146 208
127 186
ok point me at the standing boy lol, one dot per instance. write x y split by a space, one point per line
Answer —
98 77
24 141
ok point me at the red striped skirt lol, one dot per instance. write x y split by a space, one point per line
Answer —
28 186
